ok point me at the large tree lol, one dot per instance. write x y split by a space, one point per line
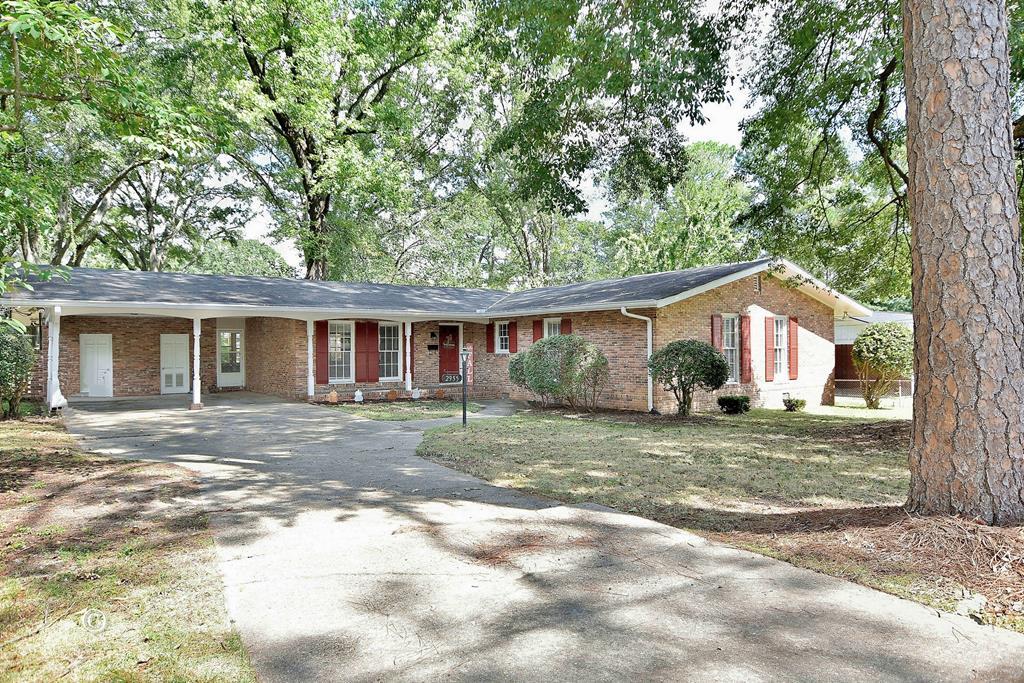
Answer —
967 452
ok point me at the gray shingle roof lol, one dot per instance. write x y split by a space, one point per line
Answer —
122 286
93 284
647 288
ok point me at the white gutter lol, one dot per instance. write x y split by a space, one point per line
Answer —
650 351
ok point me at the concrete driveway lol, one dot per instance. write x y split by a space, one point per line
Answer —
346 557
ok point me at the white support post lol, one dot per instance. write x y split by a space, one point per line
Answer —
310 376
54 397
197 399
408 356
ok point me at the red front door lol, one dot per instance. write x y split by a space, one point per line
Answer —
448 353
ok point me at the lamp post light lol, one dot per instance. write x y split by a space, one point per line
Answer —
464 355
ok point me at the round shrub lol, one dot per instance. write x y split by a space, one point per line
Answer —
883 353
16 360
734 405
685 365
564 368
517 370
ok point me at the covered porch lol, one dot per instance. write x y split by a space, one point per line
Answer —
91 354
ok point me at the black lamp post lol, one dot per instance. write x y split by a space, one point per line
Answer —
464 355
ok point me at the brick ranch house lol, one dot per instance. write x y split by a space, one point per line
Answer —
108 333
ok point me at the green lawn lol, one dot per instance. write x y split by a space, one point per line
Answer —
401 411
819 489
106 573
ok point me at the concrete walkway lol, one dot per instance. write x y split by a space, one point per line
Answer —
346 557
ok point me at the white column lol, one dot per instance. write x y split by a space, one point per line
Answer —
54 397
197 399
408 356
310 376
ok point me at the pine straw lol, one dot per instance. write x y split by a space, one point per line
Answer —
950 558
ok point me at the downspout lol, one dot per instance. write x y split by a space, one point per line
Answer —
650 350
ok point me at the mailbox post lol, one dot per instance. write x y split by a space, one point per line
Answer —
464 355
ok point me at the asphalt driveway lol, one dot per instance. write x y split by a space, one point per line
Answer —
346 557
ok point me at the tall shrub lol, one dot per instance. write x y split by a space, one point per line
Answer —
685 365
16 360
562 369
882 354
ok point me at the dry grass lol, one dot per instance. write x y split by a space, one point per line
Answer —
402 411
822 491
107 570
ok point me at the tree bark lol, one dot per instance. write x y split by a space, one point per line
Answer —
966 452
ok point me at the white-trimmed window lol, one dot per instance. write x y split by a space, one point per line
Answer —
552 327
389 340
731 345
230 351
341 351
501 337
781 347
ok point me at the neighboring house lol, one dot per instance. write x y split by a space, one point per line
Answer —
850 327
124 333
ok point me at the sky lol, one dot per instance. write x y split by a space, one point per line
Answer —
722 125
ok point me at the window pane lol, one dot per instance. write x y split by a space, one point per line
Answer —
388 346
503 344
730 339
230 352
554 327
339 351
781 346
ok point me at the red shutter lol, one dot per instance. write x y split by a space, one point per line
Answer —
566 326
490 337
769 349
794 348
746 368
538 330
716 331
320 338
513 342
367 352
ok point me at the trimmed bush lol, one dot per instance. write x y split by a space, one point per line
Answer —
564 368
517 370
883 353
685 365
16 360
734 405
794 405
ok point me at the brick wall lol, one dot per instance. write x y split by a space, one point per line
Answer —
275 357
623 340
135 343
691 319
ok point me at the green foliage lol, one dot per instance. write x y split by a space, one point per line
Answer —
16 360
562 368
517 370
243 257
882 354
794 405
692 226
734 405
684 365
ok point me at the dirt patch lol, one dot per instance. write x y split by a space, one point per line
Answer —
505 548
107 570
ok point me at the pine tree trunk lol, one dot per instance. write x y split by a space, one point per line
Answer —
966 454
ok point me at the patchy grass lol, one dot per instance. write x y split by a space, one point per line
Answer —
107 571
401 411
822 490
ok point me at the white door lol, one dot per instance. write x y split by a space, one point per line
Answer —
174 364
97 364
